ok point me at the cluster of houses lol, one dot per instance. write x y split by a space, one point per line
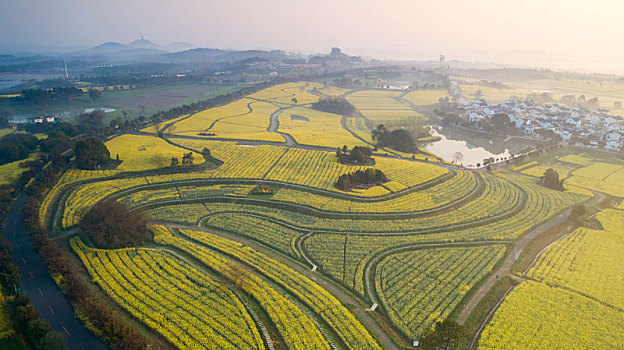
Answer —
578 126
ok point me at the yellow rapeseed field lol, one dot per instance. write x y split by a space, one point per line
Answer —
145 152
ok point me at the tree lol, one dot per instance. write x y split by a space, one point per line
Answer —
336 105
53 341
578 212
380 134
132 341
238 274
159 160
206 153
110 224
5 116
550 179
95 95
187 159
457 157
447 334
90 153
174 162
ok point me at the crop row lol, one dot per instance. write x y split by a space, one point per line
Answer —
419 288
449 191
188 308
264 231
326 306
295 327
538 316
586 261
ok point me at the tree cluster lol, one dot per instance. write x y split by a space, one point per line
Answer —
551 180
91 153
110 224
15 147
359 155
54 96
447 334
370 177
336 105
501 124
399 139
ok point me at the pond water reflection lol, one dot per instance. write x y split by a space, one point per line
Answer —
472 150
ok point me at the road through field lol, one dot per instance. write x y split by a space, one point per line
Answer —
39 286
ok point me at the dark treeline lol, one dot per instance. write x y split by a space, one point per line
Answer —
337 105
14 147
56 95
370 177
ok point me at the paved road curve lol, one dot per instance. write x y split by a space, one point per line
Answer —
37 284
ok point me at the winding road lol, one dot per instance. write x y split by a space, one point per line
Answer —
39 286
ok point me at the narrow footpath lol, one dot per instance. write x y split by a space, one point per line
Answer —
39 286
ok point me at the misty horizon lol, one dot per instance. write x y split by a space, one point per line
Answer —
528 33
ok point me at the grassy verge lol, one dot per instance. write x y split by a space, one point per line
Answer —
539 243
481 312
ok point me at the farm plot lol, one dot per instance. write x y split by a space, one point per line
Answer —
319 128
358 126
587 261
574 159
603 177
425 97
537 316
381 105
447 192
283 94
326 306
269 233
245 119
172 297
539 170
139 152
422 287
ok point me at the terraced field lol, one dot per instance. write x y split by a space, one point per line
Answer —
295 269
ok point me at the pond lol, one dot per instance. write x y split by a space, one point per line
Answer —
472 150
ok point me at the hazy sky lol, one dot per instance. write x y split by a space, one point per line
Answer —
547 33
